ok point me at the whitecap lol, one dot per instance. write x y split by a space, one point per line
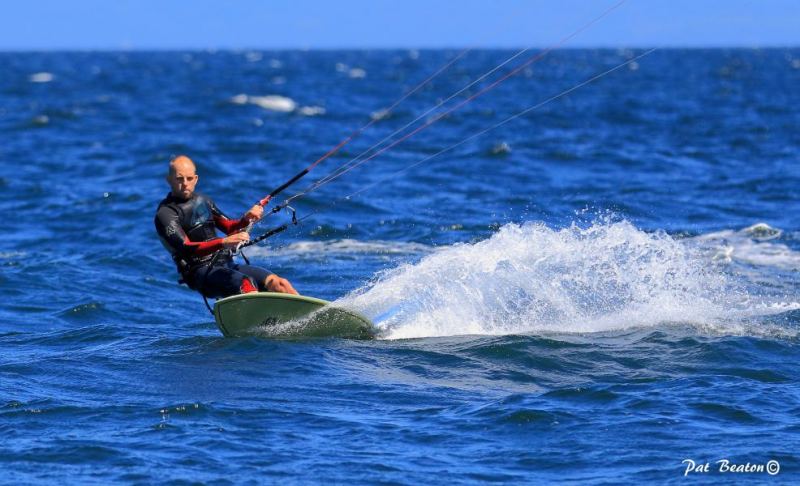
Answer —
7 255
270 102
253 56
240 99
42 77
753 246
379 115
343 247
274 103
762 231
501 148
311 110
357 73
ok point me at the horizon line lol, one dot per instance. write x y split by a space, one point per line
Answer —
39 50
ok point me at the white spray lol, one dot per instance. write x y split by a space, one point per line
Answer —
531 278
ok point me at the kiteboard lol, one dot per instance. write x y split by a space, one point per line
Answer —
274 314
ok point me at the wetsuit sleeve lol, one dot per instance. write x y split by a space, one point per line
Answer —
169 229
224 223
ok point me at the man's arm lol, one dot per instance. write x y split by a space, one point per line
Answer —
229 226
174 238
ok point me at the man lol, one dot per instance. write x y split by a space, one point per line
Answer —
187 224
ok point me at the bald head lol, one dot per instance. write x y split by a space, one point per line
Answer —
182 177
181 163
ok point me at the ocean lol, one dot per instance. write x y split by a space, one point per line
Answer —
603 290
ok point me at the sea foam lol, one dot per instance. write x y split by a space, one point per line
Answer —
43 77
277 103
346 246
274 103
753 245
531 278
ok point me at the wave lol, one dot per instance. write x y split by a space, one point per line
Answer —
311 110
753 245
8 255
42 77
253 56
277 103
344 247
530 278
270 102
357 73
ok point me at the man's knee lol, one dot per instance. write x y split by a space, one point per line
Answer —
274 283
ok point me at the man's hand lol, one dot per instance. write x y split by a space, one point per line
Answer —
232 241
254 214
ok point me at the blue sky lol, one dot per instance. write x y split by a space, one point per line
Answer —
221 24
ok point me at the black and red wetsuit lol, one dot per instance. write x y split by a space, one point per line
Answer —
188 230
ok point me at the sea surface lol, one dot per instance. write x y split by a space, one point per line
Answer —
596 292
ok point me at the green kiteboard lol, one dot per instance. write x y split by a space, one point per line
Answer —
274 314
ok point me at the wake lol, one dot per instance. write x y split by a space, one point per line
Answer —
530 278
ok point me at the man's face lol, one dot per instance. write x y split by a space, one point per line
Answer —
182 180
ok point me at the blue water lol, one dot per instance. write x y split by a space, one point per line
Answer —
593 292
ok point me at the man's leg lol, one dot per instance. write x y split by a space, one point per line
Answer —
267 280
223 281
